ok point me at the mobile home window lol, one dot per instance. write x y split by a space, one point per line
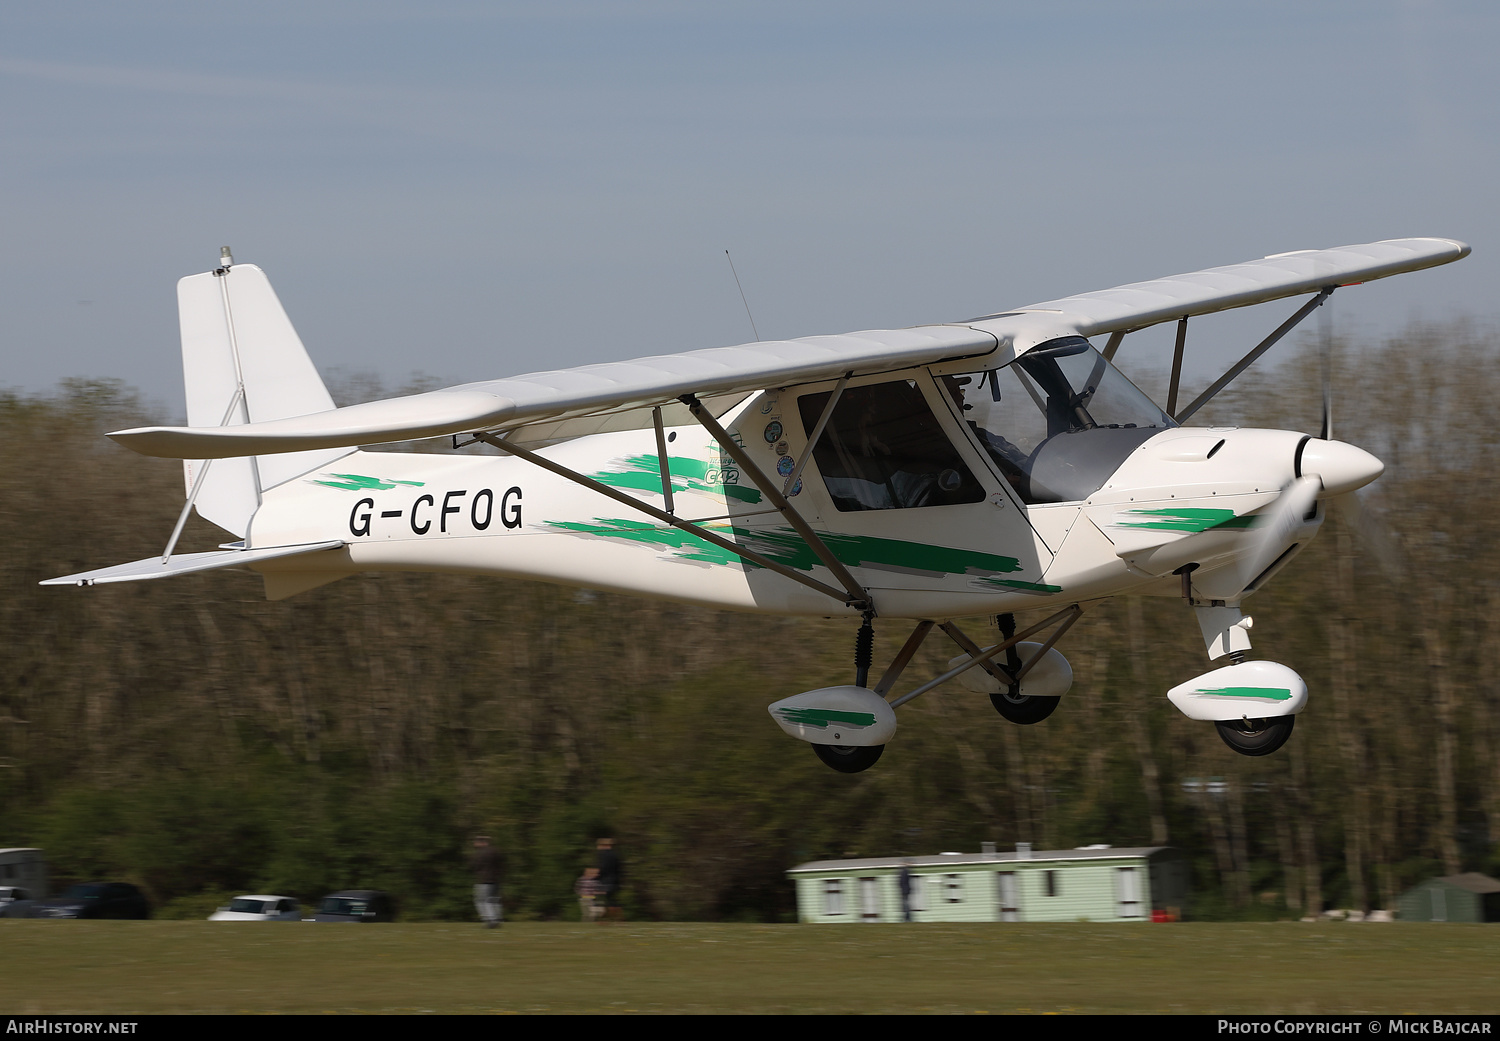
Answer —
1128 886
954 886
1005 892
1054 884
833 896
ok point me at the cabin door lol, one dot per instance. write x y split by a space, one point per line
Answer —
906 497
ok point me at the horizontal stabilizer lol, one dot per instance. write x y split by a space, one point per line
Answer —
185 564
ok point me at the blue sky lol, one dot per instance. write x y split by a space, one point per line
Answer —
471 190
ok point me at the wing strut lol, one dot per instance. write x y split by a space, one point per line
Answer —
857 595
1064 620
817 432
1245 362
666 518
1177 365
661 459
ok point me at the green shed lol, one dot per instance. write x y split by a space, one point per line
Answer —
1094 884
1469 897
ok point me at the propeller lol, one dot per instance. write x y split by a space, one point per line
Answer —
1277 524
1371 533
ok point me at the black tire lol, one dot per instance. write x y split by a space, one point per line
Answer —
849 759
1024 709
1256 736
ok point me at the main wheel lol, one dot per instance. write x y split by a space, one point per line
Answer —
1256 736
1023 708
849 759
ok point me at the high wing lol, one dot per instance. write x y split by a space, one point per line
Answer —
591 390
581 391
1139 304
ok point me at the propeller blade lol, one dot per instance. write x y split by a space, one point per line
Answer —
1277 525
1371 533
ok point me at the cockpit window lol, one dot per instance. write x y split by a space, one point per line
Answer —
884 450
1058 421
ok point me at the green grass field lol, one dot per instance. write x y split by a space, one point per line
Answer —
166 967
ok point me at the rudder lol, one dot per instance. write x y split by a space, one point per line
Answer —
242 362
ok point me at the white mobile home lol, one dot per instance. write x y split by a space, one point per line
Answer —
1095 884
24 869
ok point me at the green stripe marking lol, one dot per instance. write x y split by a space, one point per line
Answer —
1019 586
785 546
361 483
643 473
1185 518
687 545
824 717
1269 693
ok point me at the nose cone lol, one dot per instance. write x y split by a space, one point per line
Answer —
1342 467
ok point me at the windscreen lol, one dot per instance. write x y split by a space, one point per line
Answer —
1058 421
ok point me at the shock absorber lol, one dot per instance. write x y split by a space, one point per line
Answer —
864 647
1006 623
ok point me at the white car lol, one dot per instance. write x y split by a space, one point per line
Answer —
259 908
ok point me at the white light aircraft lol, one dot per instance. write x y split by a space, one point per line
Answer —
982 467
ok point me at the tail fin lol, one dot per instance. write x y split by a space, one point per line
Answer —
242 362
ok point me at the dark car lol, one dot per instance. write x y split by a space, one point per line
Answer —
356 905
94 900
15 901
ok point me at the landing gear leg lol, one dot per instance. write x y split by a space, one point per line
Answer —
1011 703
864 647
1252 704
853 759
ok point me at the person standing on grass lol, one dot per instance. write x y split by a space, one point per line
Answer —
589 890
609 880
903 883
486 864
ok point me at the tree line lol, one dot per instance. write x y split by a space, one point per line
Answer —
195 739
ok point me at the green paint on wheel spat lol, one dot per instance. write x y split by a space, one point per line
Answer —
826 717
1269 693
643 473
1185 518
361 483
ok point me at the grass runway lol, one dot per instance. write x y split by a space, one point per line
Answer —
220 967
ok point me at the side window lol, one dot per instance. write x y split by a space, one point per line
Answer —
833 896
954 886
884 450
